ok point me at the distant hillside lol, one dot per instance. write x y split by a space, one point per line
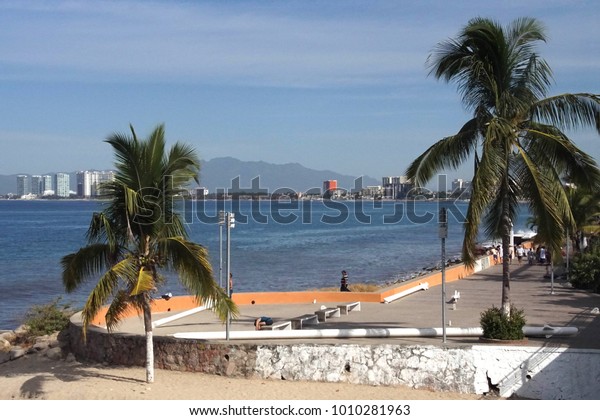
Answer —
8 184
220 173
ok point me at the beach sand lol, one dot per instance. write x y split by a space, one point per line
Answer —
35 376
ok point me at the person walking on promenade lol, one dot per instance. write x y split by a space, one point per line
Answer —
230 284
520 253
530 256
344 282
543 255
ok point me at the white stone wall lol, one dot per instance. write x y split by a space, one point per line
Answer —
540 373
529 372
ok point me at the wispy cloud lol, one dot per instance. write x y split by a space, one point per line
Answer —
239 43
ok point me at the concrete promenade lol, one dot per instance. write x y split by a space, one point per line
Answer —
530 290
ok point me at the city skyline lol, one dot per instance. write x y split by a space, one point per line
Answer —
88 185
329 87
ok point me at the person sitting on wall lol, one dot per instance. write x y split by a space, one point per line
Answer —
262 321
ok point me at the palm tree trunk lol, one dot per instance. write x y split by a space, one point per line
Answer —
506 227
149 342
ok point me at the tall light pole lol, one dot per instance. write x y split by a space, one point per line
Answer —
221 223
230 221
443 220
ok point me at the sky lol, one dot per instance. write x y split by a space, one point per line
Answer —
336 85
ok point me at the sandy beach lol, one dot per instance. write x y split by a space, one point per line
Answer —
34 376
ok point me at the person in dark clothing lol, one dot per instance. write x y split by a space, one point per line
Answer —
262 321
344 282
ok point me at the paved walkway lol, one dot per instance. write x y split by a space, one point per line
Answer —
530 290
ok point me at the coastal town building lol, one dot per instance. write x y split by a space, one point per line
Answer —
47 185
330 188
396 187
89 183
23 185
202 192
372 191
36 185
460 187
63 184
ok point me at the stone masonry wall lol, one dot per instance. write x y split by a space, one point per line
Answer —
414 366
529 372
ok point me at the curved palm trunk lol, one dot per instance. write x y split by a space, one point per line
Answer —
149 342
506 224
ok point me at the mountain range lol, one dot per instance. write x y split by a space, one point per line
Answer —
223 173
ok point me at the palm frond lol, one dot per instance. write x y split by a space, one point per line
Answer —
550 146
83 264
569 111
120 303
144 283
484 188
182 161
100 230
449 152
106 287
192 264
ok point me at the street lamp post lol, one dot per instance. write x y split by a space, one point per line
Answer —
221 223
443 220
230 221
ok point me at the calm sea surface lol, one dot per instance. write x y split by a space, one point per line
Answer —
278 247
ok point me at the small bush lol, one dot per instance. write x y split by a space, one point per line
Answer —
47 319
498 326
585 272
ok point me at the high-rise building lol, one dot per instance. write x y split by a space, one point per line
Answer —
84 183
63 184
47 185
101 178
23 185
89 183
36 185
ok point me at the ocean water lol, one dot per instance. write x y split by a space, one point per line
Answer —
274 246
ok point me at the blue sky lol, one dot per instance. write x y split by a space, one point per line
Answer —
338 85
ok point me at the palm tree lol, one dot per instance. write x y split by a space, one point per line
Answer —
138 234
516 135
585 206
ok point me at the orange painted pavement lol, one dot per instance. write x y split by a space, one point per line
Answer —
182 303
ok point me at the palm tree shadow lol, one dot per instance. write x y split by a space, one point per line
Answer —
34 388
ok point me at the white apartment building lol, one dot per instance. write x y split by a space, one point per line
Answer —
396 186
63 184
89 183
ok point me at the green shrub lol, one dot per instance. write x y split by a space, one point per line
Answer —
498 326
584 273
48 318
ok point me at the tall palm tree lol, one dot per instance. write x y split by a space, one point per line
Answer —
516 135
138 234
